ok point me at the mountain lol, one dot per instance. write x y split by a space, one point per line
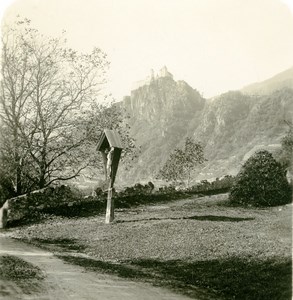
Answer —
160 111
281 80
235 125
231 127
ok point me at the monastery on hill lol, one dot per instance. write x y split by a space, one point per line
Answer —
162 73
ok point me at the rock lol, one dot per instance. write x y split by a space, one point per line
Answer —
4 215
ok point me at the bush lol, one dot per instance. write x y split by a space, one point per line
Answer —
218 186
6 189
261 182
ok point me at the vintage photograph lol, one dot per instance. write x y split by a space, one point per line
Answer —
146 149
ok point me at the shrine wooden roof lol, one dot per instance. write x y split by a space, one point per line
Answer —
109 138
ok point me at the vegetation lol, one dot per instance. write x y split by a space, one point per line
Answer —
50 119
13 267
197 247
182 162
69 202
233 278
286 153
25 275
6 187
261 182
220 185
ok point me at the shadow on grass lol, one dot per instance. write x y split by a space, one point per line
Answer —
218 218
25 275
198 218
95 206
231 278
66 244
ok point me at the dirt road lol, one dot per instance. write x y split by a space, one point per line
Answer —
64 281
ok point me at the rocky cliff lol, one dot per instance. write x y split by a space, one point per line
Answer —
164 111
160 113
235 125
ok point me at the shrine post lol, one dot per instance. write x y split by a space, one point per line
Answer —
110 146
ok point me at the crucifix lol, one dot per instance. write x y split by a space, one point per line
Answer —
110 146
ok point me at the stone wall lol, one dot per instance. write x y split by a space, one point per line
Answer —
17 208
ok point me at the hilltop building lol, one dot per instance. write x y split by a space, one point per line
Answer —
162 73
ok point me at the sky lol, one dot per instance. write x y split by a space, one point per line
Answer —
213 45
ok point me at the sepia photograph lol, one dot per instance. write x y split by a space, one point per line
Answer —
146 149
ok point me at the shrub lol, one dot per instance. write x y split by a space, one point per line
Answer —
218 186
6 189
261 182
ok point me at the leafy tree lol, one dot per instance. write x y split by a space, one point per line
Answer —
113 117
182 162
261 182
48 107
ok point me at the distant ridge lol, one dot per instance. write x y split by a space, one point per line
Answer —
277 82
163 112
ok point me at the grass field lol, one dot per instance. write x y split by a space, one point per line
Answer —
26 276
199 247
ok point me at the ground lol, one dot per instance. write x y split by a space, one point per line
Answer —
197 247
59 281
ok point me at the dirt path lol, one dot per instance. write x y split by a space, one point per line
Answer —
64 281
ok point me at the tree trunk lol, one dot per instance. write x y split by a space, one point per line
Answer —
18 178
18 163
42 180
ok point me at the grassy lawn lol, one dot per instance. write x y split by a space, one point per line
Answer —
25 275
199 247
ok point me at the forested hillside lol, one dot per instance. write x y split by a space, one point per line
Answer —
231 127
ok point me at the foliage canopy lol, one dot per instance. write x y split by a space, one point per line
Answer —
182 162
50 116
261 182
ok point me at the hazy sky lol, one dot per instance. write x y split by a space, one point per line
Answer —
214 45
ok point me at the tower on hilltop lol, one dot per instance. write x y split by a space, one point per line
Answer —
164 73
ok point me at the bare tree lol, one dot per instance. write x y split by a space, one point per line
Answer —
16 88
47 91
